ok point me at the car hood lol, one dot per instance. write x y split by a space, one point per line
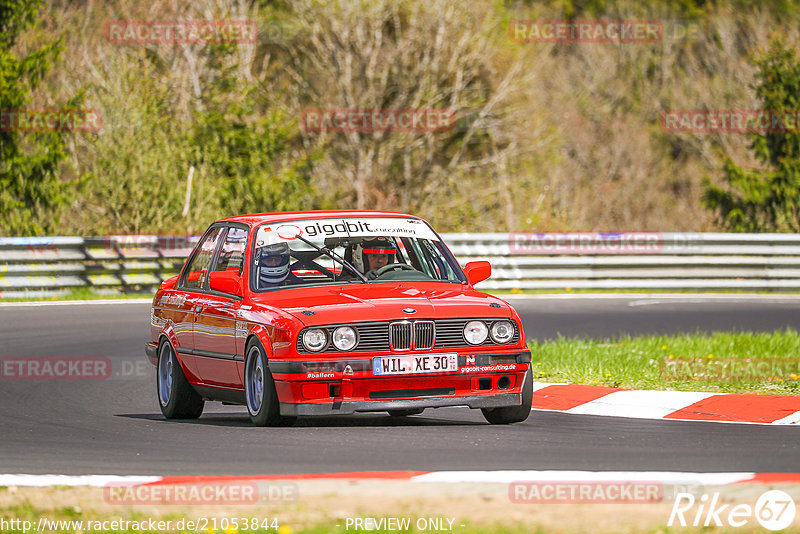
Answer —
382 302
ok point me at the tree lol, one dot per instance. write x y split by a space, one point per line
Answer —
766 200
384 56
134 174
31 193
244 147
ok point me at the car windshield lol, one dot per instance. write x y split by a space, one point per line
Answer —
318 251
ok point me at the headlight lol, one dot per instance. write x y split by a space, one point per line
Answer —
502 331
344 338
475 332
315 339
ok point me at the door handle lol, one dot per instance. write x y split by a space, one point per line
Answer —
198 308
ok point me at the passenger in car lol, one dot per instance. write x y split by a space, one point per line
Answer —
273 266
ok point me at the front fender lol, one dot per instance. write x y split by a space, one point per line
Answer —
261 333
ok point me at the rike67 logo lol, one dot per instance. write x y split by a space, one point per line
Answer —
774 510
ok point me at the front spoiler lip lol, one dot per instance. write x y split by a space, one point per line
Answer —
347 408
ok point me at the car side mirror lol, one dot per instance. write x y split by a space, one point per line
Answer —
169 283
226 282
477 271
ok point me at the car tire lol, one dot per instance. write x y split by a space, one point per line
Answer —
259 389
406 412
513 414
176 397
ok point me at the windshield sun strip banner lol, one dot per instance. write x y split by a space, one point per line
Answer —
316 229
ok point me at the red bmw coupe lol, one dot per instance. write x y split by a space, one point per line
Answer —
334 312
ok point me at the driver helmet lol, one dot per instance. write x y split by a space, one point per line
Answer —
273 264
371 247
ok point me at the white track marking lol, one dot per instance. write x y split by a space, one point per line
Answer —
640 404
68 480
792 419
505 477
453 477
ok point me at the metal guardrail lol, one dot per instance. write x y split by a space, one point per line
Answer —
635 260
50 266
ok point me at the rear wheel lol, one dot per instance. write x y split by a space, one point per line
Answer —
407 412
513 414
259 389
176 397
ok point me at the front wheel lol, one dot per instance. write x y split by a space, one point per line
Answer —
259 389
513 414
176 397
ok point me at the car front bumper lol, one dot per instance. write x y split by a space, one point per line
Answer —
422 392
348 408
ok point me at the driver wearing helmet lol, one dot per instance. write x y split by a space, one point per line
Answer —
372 254
273 266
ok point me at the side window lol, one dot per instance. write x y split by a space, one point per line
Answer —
231 257
197 271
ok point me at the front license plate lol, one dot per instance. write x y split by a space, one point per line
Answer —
412 365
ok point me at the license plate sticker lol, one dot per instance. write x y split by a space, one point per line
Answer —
414 364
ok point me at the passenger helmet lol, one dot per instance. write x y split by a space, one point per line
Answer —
273 263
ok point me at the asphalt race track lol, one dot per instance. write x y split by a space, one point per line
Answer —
114 426
604 316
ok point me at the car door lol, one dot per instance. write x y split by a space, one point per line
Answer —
216 351
192 285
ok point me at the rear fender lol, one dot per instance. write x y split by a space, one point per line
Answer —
168 336
169 333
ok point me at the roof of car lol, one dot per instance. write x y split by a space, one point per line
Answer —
255 219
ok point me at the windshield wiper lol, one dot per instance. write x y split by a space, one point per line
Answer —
334 256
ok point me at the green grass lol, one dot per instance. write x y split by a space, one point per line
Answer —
329 526
689 362
467 529
287 524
